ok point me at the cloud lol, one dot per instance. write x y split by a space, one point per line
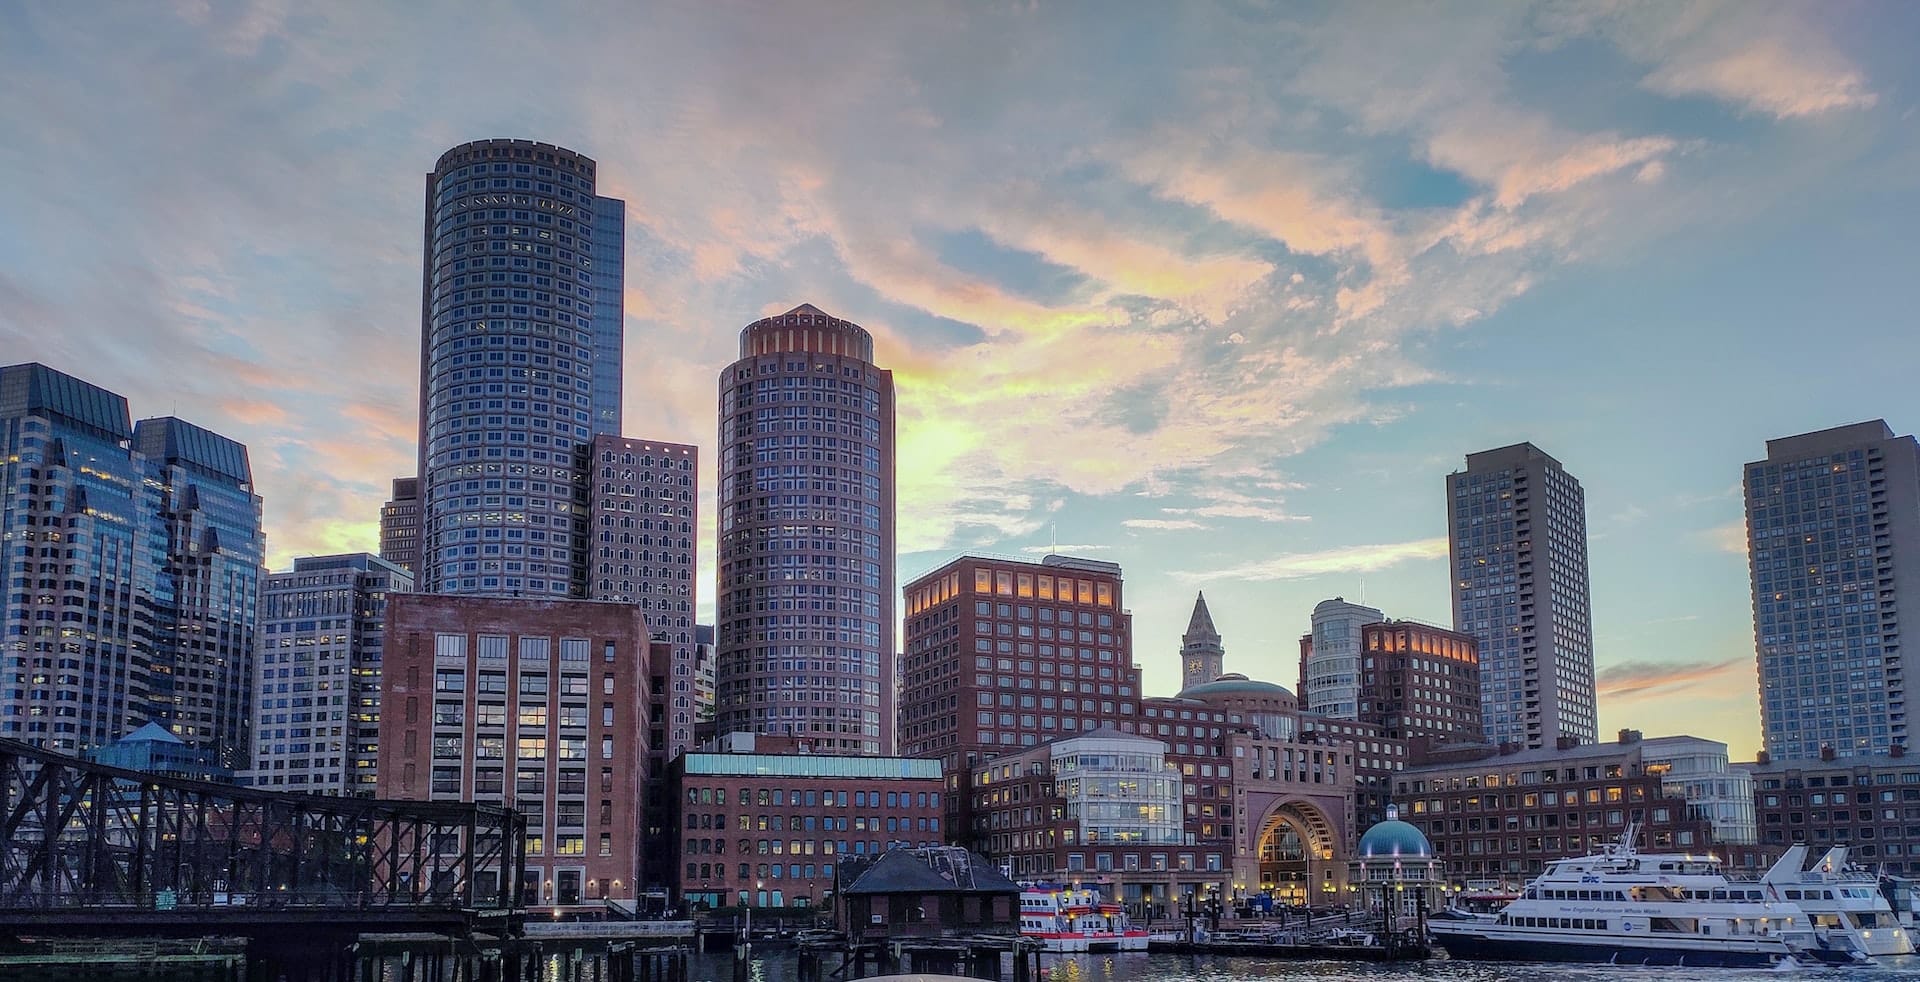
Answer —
1306 565
1165 524
1651 679
1066 550
1730 538
1782 77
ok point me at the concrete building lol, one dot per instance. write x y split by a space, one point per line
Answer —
518 346
1202 656
644 550
1420 681
1330 658
1002 655
805 610
763 821
146 609
400 525
1517 534
317 677
1868 802
1496 819
539 705
1833 546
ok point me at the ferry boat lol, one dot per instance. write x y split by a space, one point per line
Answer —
1067 920
1839 900
1617 905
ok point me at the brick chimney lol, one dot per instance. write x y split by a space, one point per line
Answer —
1565 742
1629 736
1897 750
1762 757
1826 752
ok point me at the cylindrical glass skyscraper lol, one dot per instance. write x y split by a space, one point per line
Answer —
508 368
804 644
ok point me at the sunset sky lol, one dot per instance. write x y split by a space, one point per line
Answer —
1217 292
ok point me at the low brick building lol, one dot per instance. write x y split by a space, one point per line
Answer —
539 705
926 893
763 822
1869 803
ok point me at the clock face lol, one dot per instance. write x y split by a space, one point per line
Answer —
1194 665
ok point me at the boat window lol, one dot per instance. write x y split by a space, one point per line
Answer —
1793 895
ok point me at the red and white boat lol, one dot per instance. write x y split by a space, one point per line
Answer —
1066 920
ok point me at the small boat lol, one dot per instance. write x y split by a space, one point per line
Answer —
1623 907
1067 920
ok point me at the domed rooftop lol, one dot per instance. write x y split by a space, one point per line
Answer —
1394 838
1235 684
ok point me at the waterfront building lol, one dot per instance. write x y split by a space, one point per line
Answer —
1202 656
1517 545
1420 681
400 525
805 607
68 475
1495 819
1868 802
1003 655
1394 867
1100 803
1330 658
764 819
317 676
152 750
937 891
519 367
539 705
1833 546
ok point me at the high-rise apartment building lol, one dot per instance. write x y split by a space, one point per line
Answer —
145 608
1330 658
539 705
1517 543
805 608
207 599
400 525
609 311
643 550
317 678
1833 545
518 346
1004 655
1418 680
1202 656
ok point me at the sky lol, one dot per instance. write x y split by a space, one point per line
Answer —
1219 292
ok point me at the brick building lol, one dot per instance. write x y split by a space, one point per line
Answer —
1495 819
763 821
1418 680
1868 803
1003 655
540 705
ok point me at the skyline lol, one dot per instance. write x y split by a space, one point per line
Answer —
1225 309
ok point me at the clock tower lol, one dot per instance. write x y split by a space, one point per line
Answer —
1201 653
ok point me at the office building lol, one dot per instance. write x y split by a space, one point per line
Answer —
1202 656
539 705
518 348
609 274
400 525
207 599
78 643
317 689
1330 658
765 825
805 610
643 550
1517 545
1420 681
1833 546
1867 802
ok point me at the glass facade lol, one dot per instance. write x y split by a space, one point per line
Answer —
510 354
1119 790
1331 669
1829 515
609 311
805 606
1518 543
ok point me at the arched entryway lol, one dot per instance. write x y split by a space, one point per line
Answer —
1299 860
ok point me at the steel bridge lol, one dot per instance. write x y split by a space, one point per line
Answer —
91 849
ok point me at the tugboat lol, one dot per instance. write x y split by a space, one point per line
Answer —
1843 903
1619 906
1067 920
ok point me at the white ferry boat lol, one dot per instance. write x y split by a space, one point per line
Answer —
1620 906
1067 920
1842 903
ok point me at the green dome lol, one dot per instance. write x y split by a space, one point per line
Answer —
1235 684
1394 839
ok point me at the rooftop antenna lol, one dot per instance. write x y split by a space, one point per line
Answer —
1053 537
